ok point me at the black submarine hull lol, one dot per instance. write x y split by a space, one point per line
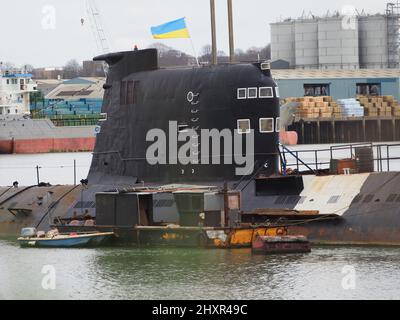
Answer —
361 221
140 97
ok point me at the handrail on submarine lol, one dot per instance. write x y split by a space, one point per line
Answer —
382 155
283 161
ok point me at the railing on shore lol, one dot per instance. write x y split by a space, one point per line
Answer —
71 120
386 157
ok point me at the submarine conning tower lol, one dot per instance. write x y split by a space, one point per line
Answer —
140 97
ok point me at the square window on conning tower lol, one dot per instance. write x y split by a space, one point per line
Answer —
243 126
252 93
266 92
266 125
242 93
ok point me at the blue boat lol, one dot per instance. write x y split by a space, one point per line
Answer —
83 240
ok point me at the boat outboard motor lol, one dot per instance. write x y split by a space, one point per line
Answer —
28 232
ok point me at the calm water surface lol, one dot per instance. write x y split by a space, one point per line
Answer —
58 168
130 273
160 273
55 168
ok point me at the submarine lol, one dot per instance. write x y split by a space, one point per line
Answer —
140 97
162 199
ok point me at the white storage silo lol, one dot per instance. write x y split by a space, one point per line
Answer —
373 36
283 42
306 43
338 43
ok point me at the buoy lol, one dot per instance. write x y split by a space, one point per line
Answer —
82 21
289 138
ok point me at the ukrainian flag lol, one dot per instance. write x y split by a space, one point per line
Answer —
173 29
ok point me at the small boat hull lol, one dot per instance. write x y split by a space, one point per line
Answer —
74 241
281 245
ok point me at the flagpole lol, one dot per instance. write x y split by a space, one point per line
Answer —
193 47
195 53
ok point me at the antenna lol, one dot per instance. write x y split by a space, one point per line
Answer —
213 33
231 35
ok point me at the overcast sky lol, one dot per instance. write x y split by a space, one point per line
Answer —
28 34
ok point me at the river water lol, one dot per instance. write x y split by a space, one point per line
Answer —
160 273
55 168
58 168
154 273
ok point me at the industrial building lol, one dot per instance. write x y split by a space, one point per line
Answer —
340 84
45 86
77 88
332 42
78 97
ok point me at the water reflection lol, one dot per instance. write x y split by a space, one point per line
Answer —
160 273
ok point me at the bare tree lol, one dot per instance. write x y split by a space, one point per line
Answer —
7 65
72 69
206 54
170 57
28 68
254 54
206 50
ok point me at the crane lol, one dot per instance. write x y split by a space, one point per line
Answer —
96 24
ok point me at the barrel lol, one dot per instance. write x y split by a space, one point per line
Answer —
340 166
365 159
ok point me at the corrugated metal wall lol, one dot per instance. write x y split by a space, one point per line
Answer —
373 42
339 88
306 37
283 42
338 46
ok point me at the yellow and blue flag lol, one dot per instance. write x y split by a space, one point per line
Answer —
173 29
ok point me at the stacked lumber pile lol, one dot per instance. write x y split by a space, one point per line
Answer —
316 107
380 106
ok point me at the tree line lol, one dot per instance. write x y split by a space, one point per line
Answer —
168 57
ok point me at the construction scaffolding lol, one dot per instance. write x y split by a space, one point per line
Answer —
393 32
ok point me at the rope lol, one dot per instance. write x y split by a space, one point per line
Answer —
54 204
15 194
5 192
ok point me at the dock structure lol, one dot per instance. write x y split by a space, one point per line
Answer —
347 130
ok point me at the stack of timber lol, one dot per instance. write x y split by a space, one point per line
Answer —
380 106
316 107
